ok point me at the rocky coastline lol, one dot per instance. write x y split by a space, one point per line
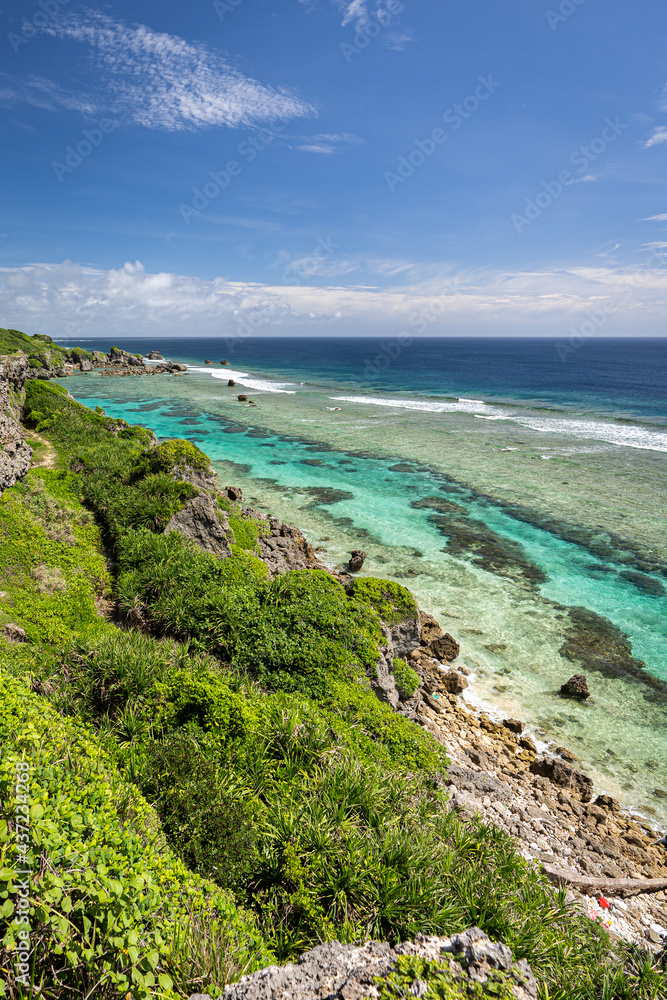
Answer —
580 839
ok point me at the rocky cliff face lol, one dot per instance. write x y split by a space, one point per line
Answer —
467 964
15 454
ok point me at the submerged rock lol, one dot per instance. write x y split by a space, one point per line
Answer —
576 687
468 962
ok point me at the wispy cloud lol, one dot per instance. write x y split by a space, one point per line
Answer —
326 142
71 299
655 218
159 81
658 137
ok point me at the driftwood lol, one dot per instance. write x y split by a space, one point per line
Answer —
611 886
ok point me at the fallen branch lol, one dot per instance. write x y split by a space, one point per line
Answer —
610 886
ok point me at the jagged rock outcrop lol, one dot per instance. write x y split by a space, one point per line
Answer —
562 774
154 356
470 962
15 453
205 524
286 548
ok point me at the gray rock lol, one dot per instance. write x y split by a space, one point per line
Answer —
562 774
154 356
85 365
15 454
14 633
349 972
357 558
203 523
235 493
286 548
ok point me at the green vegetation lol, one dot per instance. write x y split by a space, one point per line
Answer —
41 350
215 785
407 681
392 602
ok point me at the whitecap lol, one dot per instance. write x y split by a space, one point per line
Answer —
460 406
247 380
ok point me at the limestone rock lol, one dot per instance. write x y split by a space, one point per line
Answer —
202 522
154 356
242 398
235 493
286 548
231 382
14 633
445 648
562 774
357 558
15 454
576 687
454 682
349 972
430 628
224 362
514 726
85 365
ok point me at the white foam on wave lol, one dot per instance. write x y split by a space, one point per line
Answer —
623 435
247 380
460 406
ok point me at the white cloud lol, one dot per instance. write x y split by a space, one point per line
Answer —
161 81
82 301
659 136
655 218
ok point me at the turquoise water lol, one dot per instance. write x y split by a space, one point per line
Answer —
500 585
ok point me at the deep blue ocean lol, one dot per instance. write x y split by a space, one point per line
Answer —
610 377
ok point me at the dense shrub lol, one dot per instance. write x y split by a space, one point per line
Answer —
392 602
407 681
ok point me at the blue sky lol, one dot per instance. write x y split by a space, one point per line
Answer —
334 167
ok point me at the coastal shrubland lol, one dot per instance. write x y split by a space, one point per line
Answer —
214 783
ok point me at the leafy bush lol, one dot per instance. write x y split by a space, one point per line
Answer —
113 901
392 602
407 681
177 453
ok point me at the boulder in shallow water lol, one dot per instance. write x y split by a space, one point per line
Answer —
235 493
514 726
453 682
356 562
154 356
231 382
242 398
576 687
224 362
